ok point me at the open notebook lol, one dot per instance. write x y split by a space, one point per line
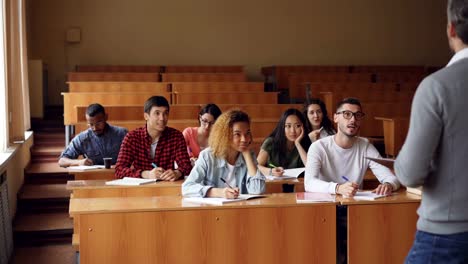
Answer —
221 201
129 181
85 168
288 174
367 196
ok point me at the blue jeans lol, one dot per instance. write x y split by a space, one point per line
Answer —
431 248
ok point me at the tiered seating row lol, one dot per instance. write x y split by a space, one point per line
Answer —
279 75
160 68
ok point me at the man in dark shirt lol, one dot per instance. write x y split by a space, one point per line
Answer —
154 151
99 141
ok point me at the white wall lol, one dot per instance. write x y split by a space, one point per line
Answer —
251 33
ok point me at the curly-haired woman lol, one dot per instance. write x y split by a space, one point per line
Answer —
228 167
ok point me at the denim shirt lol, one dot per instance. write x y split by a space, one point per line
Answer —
96 147
208 170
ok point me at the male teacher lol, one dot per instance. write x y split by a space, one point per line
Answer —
435 153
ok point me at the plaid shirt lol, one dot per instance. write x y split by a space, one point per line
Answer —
135 153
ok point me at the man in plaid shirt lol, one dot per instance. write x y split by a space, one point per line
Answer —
150 151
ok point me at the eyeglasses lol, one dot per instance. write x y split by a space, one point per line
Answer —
348 114
206 122
97 124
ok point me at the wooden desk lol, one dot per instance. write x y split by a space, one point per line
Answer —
381 231
99 174
168 230
99 189
395 130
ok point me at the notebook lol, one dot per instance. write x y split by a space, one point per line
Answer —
417 190
221 201
367 196
288 174
129 181
85 168
76 183
314 197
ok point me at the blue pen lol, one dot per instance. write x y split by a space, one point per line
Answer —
345 178
154 165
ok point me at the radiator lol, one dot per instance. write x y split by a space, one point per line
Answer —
6 232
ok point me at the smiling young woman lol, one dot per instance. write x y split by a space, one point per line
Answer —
227 162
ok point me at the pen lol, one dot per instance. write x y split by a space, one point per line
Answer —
222 179
271 165
86 156
345 178
154 165
320 129
190 151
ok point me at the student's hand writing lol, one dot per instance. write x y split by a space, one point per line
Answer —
231 193
383 189
86 162
277 171
169 175
155 173
347 189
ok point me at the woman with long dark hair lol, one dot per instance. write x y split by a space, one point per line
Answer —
318 123
287 145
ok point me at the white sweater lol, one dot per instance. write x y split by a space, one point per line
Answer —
327 163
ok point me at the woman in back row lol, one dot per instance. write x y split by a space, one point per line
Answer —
318 123
196 138
287 145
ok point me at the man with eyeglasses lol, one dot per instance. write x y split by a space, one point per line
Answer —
337 164
99 141
435 152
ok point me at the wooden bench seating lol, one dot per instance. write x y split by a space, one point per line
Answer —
135 112
186 111
118 87
260 127
226 98
296 80
118 68
217 87
203 68
204 77
331 99
113 77
373 128
279 74
70 100
395 130
399 77
388 68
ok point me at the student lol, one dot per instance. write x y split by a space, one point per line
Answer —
228 162
287 145
196 138
99 141
318 122
434 154
152 151
343 154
